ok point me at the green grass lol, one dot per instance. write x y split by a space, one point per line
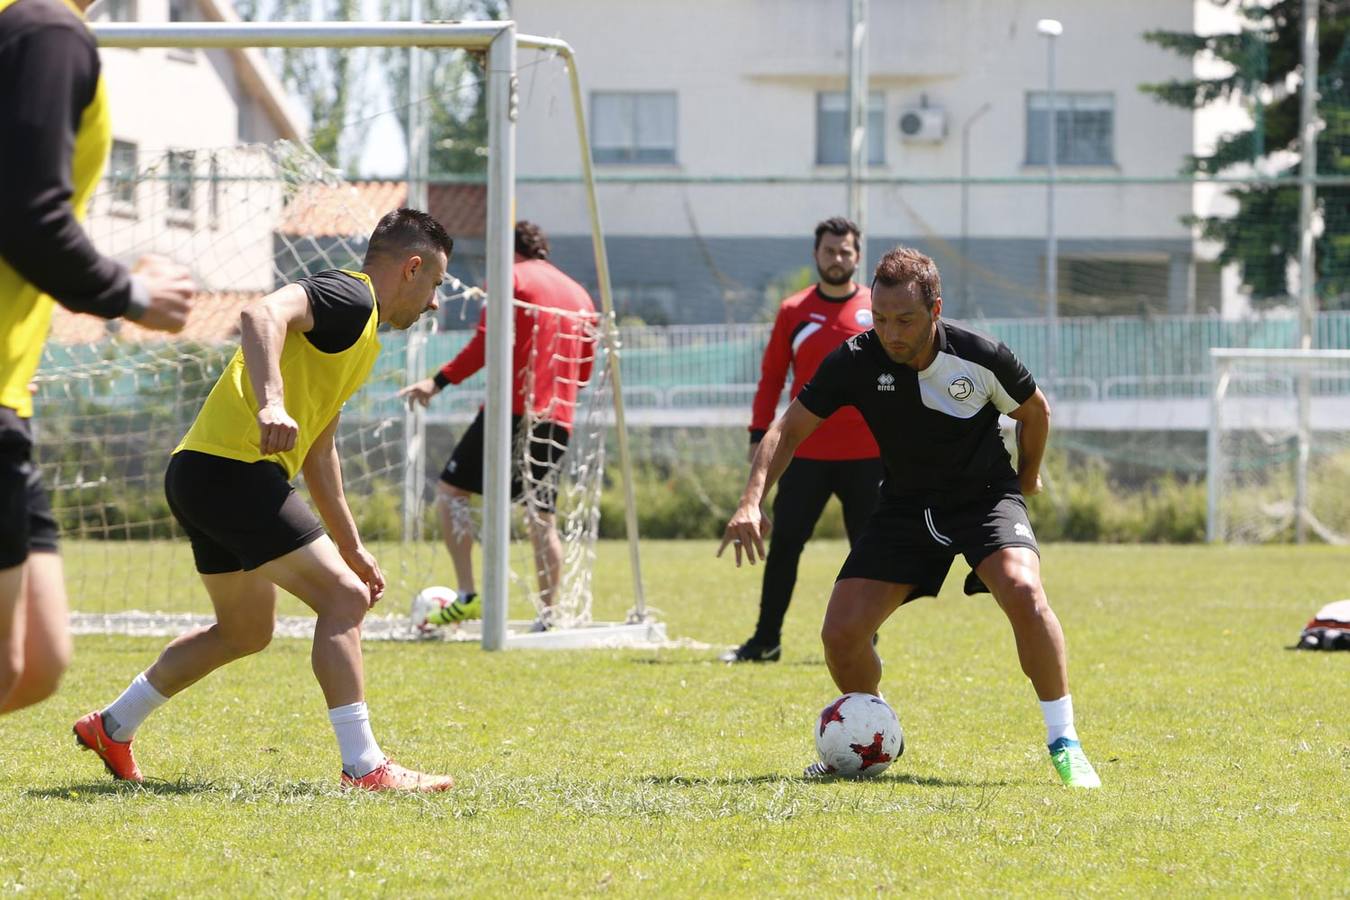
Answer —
1225 758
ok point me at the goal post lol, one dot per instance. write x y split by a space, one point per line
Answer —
1278 445
499 40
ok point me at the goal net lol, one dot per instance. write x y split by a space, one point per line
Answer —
1279 446
114 399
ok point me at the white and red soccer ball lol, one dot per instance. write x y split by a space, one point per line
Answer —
858 735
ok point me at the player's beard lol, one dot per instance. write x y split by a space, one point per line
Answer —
829 276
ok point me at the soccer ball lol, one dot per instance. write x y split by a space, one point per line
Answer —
858 735
428 601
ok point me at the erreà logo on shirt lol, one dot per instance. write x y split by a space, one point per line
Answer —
961 388
885 382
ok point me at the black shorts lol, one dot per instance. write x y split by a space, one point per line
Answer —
906 544
547 444
238 515
25 509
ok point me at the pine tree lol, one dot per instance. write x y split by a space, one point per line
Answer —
1262 237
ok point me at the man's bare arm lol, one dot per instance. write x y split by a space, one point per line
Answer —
746 530
1033 431
262 335
323 476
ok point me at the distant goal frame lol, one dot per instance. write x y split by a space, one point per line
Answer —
1221 362
500 41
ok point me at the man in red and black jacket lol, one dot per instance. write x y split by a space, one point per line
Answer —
555 328
841 457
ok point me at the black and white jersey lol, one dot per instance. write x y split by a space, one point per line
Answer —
938 428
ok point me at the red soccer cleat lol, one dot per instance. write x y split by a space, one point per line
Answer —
116 755
392 777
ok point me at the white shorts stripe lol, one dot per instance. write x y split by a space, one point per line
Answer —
932 529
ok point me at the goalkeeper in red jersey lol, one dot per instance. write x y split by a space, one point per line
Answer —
552 358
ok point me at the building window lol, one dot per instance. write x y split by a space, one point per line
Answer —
1085 128
180 186
117 11
832 138
122 174
633 127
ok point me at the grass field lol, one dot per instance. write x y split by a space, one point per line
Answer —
1225 758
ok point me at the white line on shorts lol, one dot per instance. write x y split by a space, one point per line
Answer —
932 529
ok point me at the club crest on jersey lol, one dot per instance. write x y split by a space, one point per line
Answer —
863 317
885 382
961 388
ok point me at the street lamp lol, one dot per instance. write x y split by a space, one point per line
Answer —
1051 29
965 209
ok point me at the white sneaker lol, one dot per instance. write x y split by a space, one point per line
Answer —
818 770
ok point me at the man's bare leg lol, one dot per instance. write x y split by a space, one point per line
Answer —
245 604
858 607
317 574
13 584
1013 575
457 530
548 554
41 622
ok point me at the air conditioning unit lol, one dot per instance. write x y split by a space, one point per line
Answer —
923 124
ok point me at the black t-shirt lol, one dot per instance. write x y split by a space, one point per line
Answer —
341 305
937 429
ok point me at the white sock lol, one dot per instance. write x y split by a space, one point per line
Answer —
360 754
125 714
1058 719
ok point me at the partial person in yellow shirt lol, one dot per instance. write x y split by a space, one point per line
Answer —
304 350
54 142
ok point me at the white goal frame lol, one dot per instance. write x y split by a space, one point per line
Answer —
1222 359
500 41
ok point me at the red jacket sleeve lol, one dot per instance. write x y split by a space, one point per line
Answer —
772 377
470 359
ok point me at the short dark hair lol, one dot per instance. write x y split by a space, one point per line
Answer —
839 226
531 242
905 265
405 231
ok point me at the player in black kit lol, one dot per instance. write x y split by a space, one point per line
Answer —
931 392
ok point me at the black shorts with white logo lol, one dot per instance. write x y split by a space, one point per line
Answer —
915 545
25 509
238 515
547 444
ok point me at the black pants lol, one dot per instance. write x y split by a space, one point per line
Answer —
803 491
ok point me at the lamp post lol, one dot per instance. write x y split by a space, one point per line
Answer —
1051 29
857 122
965 208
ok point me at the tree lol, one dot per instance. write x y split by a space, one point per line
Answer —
329 82
455 96
1262 237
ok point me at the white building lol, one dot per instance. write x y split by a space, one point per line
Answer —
754 90
174 183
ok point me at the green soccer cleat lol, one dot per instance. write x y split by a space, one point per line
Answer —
1072 764
464 607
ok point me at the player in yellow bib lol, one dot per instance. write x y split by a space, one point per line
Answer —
304 350
54 141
